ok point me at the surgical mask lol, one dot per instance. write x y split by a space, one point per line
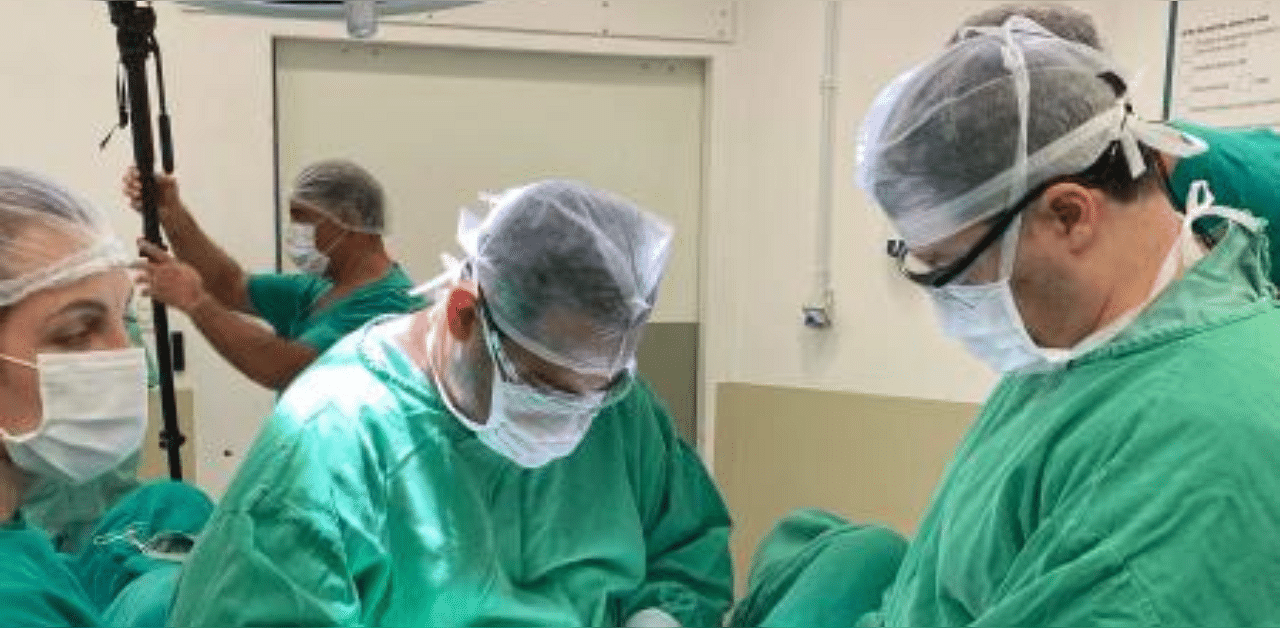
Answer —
93 414
987 320
533 428
300 244
530 426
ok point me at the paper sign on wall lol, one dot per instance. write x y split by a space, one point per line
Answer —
1227 63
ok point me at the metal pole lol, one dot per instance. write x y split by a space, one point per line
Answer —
135 26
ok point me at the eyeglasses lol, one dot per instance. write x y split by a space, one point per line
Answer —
930 276
615 391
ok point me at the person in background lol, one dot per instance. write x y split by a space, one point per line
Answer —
335 237
491 461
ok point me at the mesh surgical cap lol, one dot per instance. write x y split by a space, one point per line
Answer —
344 192
49 237
569 272
964 136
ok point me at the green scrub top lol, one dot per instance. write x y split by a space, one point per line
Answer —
1242 167
1138 486
365 502
37 588
287 303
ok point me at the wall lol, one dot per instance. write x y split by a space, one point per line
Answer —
870 458
885 339
1138 36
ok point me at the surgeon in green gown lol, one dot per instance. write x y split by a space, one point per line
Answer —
492 461
1122 472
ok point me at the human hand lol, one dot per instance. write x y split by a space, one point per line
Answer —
168 202
169 280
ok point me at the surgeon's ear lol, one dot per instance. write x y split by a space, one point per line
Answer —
1073 213
460 311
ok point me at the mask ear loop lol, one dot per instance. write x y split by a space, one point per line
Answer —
5 433
17 361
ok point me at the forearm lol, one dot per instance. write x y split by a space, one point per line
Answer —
191 244
253 350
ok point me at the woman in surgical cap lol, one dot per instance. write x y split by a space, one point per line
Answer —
73 398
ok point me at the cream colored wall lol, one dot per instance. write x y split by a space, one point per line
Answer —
1139 36
868 458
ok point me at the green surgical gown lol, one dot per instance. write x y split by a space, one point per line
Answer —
111 561
36 586
817 569
1138 486
364 502
287 302
1242 167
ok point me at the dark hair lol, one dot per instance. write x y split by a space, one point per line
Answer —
1111 174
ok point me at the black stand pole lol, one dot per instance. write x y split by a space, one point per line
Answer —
135 34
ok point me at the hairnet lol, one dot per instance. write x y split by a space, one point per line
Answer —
49 236
1062 20
562 249
967 134
345 192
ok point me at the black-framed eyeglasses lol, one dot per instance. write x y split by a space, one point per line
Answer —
941 276
617 388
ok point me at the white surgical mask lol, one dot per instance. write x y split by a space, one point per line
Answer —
300 245
987 320
94 414
533 428
527 426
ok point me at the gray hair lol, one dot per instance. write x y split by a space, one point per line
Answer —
562 246
344 191
1061 20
